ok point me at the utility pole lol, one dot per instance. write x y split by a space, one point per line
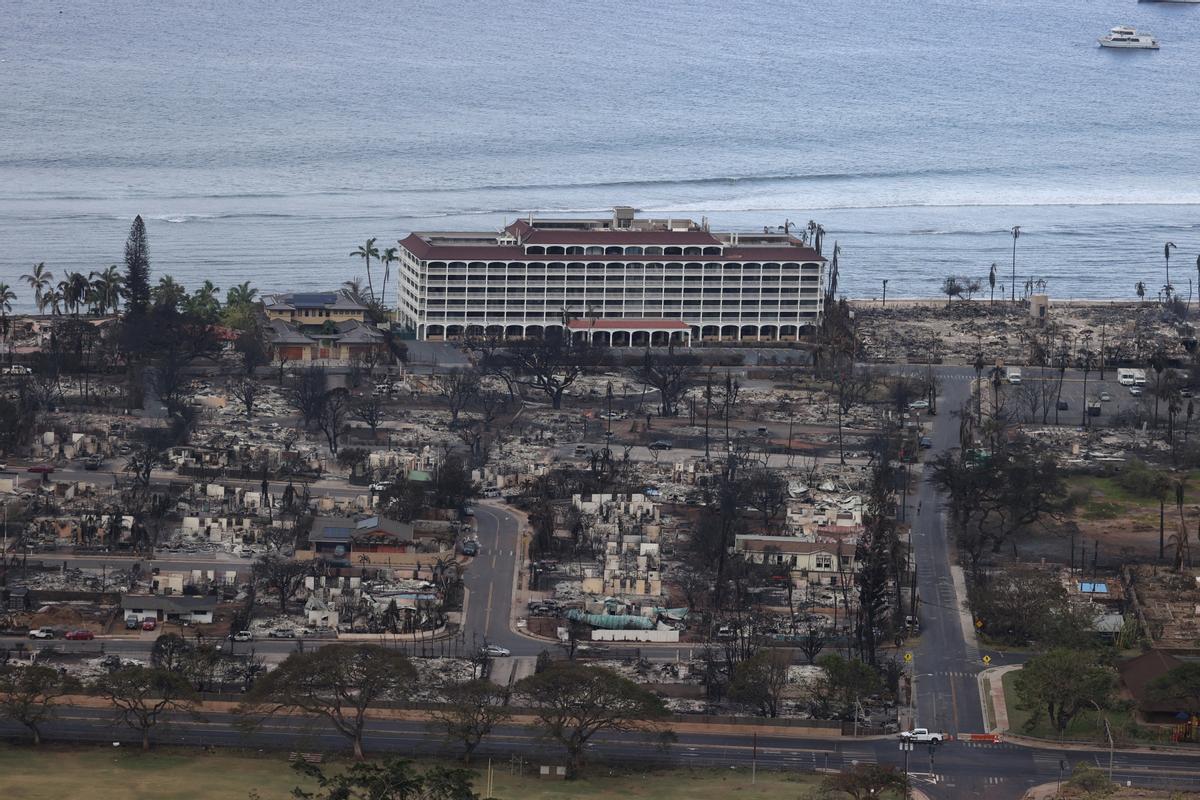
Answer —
885 282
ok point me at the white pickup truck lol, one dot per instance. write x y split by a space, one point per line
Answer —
923 735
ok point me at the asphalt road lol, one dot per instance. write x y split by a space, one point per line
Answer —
958 769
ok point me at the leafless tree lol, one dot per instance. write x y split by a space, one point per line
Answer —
370 411
308 394
332 417
671 373
458 387
248 392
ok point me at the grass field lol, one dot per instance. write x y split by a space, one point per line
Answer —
97 773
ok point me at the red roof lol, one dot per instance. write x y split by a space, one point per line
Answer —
627 324
425 251
608 236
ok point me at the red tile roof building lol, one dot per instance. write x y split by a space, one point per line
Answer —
621 281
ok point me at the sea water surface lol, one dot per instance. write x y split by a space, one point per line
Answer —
264 141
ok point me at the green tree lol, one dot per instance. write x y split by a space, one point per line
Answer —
390 256
107 288
1062 683
168 295
28 695
394 779
337 682
1180 686
867 781
760 680
141 696
366 252
203 303
137 269
7 295
572 703
40 280
470 712
844 682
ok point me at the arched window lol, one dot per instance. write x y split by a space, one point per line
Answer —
535 250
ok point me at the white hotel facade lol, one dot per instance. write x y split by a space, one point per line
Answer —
620 281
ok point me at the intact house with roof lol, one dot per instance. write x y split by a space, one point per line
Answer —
169 608
314 308
341 537
821 562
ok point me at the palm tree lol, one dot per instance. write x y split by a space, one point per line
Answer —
392 255
106 288
7 295
1140 288
1167 257
40 279
52 298
366 252
168 293
241 295
1016 234
353 288
74 288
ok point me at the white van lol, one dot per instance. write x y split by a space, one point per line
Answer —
1014 375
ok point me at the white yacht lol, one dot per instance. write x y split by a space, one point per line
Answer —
1128 37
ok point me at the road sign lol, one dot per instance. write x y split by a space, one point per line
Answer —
908 658
987 659
978 623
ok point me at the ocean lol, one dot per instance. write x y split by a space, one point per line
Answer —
264 141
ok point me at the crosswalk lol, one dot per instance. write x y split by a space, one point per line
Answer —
1046 761
953 674
852 755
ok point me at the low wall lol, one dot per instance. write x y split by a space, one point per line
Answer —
665 637
400 560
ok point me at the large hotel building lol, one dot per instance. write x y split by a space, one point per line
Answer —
620 281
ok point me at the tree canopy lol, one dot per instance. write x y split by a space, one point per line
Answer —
337 682
573 703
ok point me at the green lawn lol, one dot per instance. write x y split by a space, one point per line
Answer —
1087 726
99 773
1106 499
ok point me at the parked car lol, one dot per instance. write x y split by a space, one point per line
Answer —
926 443
242 636
80 636
17 369
495 651
1063 405
470 548
41 469
41 633
917 405
1136 391
149 624
132 623
660 444
1105 397
92 464
282 633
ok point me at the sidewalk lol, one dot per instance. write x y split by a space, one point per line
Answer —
991 696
